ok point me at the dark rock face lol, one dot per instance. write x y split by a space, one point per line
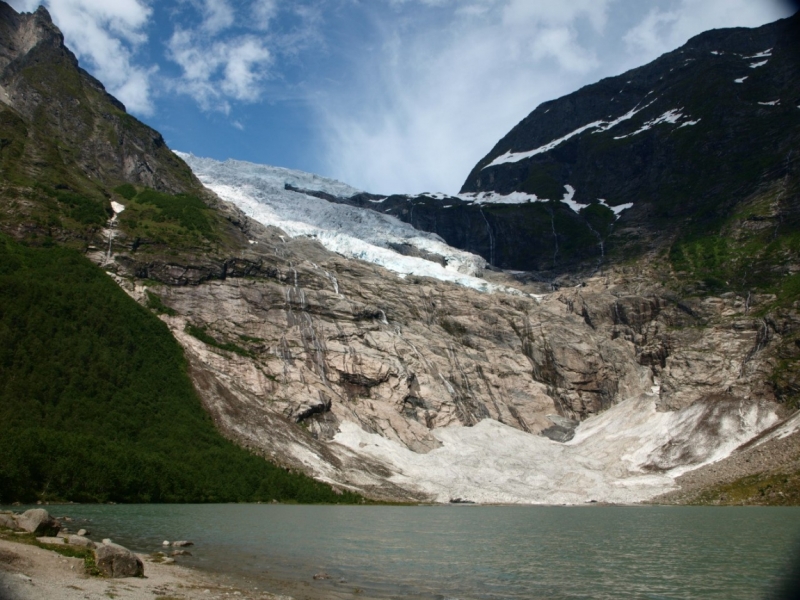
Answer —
57 117
682 140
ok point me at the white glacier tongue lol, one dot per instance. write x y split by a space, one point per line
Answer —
260 191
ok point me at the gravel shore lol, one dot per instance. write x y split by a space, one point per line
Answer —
32 573
771 457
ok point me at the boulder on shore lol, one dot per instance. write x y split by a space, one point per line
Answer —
39 522
7 521
79 540
115 561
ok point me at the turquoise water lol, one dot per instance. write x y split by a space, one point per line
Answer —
476 553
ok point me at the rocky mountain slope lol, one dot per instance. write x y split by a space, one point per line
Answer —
395 383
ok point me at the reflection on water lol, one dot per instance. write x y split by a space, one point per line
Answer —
472 552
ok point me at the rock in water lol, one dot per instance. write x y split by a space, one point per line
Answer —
115 561
38 521
182 544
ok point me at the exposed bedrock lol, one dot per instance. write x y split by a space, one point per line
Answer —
307 342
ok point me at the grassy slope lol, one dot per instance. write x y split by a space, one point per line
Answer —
763 489
95 403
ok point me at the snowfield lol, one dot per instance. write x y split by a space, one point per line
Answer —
630 453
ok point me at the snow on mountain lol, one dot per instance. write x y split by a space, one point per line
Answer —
598 126
260 191
523 198
617 456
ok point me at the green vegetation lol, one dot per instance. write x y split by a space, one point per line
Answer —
186 210
84 210
96 404
752 249
201 334
766 489
176 221
87 554
542 182
155 303
126 190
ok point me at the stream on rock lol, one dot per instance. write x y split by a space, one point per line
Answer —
472 552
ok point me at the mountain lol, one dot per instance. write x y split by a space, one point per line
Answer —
648 161
95 400
377 357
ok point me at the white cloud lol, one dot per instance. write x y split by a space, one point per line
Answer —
215 72
664 29
217 16
524 12
432 102
263 12
105 36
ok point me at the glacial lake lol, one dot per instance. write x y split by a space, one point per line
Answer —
474 552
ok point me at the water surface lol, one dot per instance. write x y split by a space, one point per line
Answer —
473 552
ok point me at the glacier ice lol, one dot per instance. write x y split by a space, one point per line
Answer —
260 191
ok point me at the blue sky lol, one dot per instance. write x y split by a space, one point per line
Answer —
386 95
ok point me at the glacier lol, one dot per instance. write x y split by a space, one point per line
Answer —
260 191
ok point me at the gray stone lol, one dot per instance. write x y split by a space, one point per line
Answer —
39 522
79 540
7 521
51 540
83 532
115 561
182 544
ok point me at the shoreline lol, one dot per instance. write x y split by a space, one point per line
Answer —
28 572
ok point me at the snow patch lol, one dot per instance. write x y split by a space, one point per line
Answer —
758 64
510 156
784 430
609 458
599 126
117 207
740 80
522 198
619 208
671 116
495 198
568 199
764 54
773 103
